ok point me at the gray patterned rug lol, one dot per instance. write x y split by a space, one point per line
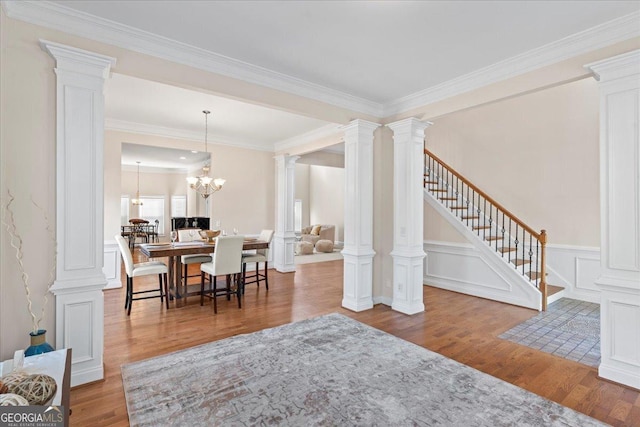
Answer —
330 370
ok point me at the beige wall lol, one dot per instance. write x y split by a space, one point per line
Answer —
536 154
321 189
27 147
326 193
246 200
322 158
302 191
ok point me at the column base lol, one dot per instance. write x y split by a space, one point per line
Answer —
283 253
358 281
408 274
80 326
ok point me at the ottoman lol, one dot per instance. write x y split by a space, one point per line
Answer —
324 246
304 248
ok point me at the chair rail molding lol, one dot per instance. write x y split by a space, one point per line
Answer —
408 214
80 78
284 238
619 281
358 250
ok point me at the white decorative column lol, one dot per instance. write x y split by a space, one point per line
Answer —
408 199
79 207
620 217
284 238
358 250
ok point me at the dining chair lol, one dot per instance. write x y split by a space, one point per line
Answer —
260 255
186 235
142 269
227 261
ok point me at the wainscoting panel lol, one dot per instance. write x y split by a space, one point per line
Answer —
462 268
575 268
112 263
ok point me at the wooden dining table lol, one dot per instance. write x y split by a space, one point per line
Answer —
174 252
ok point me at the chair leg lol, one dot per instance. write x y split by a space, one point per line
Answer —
239 290
215 300
166 291
130 295
202 288
160 288
257 274
186 278
126 294
244 275
228 287
266 276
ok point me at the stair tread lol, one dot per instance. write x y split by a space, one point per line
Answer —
506 249
490 238
448 198
438 190
458 207
480 227
553 289
470 217
533 275
431 182
520 261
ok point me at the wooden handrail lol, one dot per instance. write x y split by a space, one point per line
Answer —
517 220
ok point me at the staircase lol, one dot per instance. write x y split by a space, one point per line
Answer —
512 249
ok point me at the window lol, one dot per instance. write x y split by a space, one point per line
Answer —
178 206
153 208
124 210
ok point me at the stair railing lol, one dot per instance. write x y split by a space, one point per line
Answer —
518 243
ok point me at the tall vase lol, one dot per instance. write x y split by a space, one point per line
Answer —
39 343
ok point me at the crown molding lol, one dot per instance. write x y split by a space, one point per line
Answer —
68 20
153 130
305 138
603 35
61 18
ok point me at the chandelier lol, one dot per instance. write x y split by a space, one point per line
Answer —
137 201
204 184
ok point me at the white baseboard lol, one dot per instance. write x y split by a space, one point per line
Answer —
382 300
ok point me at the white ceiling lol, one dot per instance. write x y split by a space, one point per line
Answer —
376 50
369 56
160 157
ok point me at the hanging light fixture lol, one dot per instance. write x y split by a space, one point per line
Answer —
204 184
137 201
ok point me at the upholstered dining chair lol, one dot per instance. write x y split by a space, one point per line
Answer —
261 255
227 261
190 235
142 269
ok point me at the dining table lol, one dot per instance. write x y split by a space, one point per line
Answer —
174 252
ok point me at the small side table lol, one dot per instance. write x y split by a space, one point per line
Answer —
56 364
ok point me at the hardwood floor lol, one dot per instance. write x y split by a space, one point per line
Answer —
461 327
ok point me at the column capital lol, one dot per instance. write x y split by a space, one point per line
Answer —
286 159
360 125
408 127
70 58
625 65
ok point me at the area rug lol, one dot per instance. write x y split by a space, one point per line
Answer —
327 371
318 257
569 329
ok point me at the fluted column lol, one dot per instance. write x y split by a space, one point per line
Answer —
408 199
620 217
284 238
358 250
80 77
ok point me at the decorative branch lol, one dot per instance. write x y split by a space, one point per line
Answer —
16 243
